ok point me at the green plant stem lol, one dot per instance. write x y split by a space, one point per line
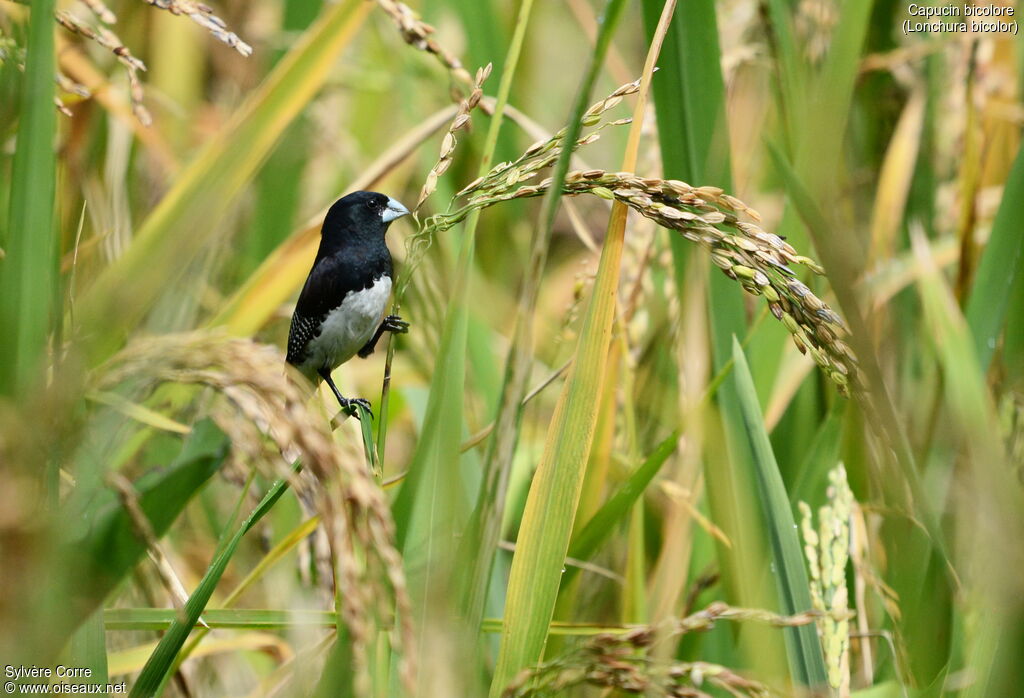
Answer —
273 556
28 274
427 490
554 494
453 338
161 662
481 537
468 242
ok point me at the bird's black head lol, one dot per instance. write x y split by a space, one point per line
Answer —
361 215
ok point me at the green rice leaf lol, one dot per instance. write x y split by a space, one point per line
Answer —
1000 266
161 662
482 532
547 522
587 540
109 548
807 663
28 270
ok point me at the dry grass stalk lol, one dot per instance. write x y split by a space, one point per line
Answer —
72 87
102 12
143 529
417 244
198 12
110 41
369 575
621 661
448 143
760 261
202 15
417 33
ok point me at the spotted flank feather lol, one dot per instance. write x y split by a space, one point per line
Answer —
303 330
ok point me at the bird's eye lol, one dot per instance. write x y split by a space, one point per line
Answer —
371 205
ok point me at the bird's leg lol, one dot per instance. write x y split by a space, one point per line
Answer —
348 405
392 323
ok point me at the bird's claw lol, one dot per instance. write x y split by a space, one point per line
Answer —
350 406
393 323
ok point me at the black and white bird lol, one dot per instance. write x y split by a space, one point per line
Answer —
340 312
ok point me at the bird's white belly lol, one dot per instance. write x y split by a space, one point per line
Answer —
350 326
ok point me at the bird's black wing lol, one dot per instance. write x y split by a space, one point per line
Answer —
329 281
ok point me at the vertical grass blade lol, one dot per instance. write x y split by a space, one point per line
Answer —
1000 265
694 140
28 273
990 498
828 109
427 496
792 68
896 176
881 407
88 648
807 664
822 456
280 182
689 98
551 504
481 538
898 477
441 432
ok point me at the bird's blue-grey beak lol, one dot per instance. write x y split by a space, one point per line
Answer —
394 211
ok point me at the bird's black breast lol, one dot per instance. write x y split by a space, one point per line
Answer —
333 277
